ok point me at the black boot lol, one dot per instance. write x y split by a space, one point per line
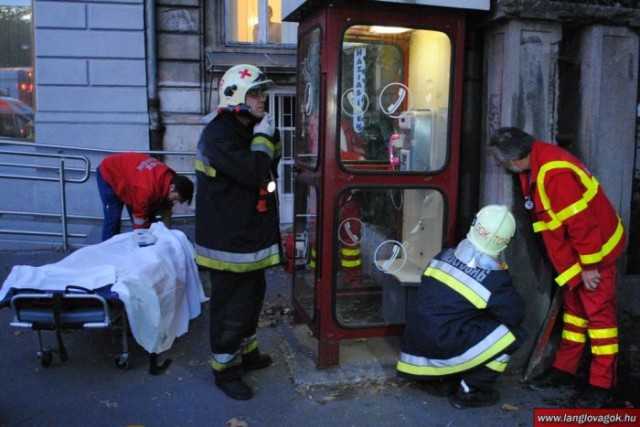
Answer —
472 397
230 381
552 378
593 397
254 360
438 387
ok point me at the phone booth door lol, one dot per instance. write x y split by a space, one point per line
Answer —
379 107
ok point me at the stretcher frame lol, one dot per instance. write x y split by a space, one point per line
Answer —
73 308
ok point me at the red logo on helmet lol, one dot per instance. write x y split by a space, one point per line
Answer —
244 73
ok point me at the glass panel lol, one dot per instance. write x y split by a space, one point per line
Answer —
305 255
16 71
394 99
307 143
386 237
633 248
258 21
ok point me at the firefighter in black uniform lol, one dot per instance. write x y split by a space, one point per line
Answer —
237 222
465 321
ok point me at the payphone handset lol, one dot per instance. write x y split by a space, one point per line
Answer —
416 127
396 142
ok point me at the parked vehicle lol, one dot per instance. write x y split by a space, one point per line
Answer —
16 118
17 82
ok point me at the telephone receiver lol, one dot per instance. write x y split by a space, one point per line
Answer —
402 94
394 255
395 161
352 236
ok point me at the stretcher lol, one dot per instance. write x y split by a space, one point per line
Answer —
152 290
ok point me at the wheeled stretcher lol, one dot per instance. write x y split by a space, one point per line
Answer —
152 290
73 308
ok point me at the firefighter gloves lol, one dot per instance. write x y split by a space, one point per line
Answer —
265 127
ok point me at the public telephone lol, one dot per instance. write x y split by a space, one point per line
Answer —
413 145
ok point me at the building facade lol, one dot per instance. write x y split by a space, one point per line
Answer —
119 75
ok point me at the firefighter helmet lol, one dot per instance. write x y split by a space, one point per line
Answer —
492 229
237 81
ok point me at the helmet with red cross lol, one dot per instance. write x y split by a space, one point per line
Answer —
237 81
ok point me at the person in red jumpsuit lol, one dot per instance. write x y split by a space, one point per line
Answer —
144 184
584 238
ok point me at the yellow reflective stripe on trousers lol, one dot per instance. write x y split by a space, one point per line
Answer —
499 364
350 264
604 350
350 251
221 361
575 320
237 262
590 183
573 336
603 333
249 344
494 343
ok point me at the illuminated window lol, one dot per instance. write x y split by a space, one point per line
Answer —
258 22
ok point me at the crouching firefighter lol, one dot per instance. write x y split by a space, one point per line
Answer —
465 320
237 222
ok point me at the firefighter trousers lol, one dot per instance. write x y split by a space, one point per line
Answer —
590 316
235 305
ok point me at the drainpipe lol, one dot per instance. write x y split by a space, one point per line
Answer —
156 128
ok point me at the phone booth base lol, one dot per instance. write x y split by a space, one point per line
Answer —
377 151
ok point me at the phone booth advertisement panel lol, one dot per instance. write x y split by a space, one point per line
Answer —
377 157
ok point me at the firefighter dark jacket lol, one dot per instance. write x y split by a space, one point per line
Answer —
580 228
461 318
232 165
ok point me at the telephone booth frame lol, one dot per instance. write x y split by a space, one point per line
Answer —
324 177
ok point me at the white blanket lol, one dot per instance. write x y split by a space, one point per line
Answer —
158 284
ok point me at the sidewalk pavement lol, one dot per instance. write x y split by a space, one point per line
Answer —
363 390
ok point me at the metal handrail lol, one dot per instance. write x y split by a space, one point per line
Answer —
81 167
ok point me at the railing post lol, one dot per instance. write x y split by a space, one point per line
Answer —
63 202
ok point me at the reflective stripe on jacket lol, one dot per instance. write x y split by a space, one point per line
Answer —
579 227
231 234
461 318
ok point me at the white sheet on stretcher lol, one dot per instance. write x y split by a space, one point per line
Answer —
158 284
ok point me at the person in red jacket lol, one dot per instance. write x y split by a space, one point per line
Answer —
142 183
584 238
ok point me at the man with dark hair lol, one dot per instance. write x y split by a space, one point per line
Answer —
584 238
142 183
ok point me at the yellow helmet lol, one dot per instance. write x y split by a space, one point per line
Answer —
492 229
237 81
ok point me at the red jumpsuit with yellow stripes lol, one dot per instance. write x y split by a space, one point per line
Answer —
581 231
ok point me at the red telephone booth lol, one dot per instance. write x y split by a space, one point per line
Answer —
377 158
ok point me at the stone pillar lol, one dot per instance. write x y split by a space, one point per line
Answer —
522 90
607 120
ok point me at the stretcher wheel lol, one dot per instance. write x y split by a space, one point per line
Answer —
122 361
46 357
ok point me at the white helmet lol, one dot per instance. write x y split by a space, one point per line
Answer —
237 81
492 229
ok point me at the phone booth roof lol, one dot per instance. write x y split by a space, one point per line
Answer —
293 10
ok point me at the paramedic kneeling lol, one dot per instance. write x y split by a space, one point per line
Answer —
142 183
465 321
